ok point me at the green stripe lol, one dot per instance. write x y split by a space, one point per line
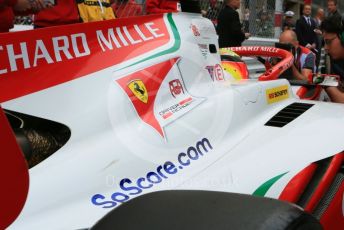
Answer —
174 48
263 189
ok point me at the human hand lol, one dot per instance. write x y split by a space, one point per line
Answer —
317 31
247 35
309 46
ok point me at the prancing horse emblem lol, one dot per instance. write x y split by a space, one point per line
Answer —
139 90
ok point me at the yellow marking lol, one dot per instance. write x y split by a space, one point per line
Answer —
277 94
139 90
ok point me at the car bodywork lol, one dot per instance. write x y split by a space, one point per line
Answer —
148 107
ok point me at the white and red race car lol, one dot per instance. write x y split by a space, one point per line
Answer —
108 111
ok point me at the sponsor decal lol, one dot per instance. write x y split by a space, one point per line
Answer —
129 187
255 49
204 50
228 51
210 71
176 87
204 29
195 30
158 94
167 113
277 94
215 72
139 90
45 58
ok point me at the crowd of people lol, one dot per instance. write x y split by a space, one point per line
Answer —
310 35
306 37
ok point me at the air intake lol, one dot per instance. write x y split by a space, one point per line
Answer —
288 114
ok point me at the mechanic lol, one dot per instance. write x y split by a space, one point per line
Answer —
304 58
333 33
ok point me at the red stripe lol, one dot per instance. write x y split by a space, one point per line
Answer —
185 101
167 115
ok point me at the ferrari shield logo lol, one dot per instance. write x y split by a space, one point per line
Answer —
139 90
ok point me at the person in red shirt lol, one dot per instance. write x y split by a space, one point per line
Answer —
10 8
162 6
64 12
126 8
